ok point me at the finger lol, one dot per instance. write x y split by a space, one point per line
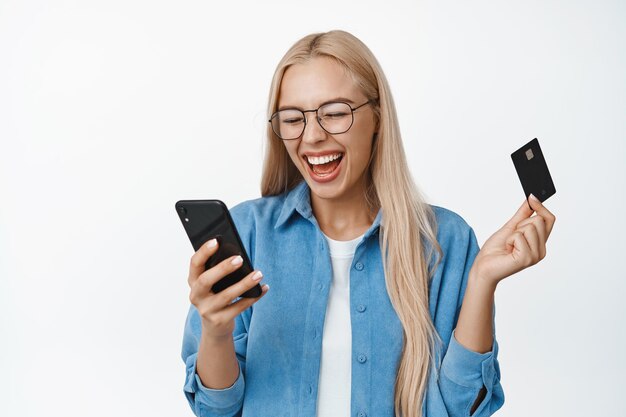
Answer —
523 212
223 314
199 260
234 309
520 251
539 223
227 295
532 238
208 278
543 212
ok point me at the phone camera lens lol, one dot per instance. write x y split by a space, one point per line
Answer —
183 210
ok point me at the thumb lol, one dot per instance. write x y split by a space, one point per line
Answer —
522 213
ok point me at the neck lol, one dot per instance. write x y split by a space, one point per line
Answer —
343 219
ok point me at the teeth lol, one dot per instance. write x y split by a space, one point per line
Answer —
318 160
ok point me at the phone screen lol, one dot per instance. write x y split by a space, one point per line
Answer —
207 219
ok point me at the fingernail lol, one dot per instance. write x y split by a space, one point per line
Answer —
266 287
211 243
534 198
257 276
237 260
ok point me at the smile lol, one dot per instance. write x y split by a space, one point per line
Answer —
324 168
321 160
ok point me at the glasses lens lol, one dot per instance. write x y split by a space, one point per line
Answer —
288 124
335 117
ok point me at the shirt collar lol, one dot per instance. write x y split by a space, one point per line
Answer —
298 200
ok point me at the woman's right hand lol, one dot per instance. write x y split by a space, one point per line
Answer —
217 310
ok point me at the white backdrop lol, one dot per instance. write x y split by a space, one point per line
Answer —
110 111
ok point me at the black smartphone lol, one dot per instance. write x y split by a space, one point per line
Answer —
208 219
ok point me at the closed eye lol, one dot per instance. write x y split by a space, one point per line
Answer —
335 115
293 121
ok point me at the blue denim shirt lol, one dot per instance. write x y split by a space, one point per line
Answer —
278 340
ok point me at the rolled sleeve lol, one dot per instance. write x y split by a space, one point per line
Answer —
470 381
468 368
212 402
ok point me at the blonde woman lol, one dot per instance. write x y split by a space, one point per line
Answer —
381 304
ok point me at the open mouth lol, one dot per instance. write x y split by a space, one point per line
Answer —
323 166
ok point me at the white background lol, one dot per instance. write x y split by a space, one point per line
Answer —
110 111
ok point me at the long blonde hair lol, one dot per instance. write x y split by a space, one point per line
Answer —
408 223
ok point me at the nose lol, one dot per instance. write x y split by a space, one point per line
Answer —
313 131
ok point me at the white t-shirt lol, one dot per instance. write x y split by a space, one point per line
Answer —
333 398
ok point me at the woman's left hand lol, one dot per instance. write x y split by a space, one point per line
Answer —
520 243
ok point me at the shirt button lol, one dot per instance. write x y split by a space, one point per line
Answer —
362 358
359 266
310 389
361 308
320 287
362 414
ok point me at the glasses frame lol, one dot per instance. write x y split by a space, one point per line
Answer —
317 117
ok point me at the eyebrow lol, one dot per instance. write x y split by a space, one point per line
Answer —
344 99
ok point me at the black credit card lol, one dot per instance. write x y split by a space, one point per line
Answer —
533 171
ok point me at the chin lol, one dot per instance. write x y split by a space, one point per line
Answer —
329 191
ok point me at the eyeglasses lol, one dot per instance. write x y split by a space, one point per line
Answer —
335 117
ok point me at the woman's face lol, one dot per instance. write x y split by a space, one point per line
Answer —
307 86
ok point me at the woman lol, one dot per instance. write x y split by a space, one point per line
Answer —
345 330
